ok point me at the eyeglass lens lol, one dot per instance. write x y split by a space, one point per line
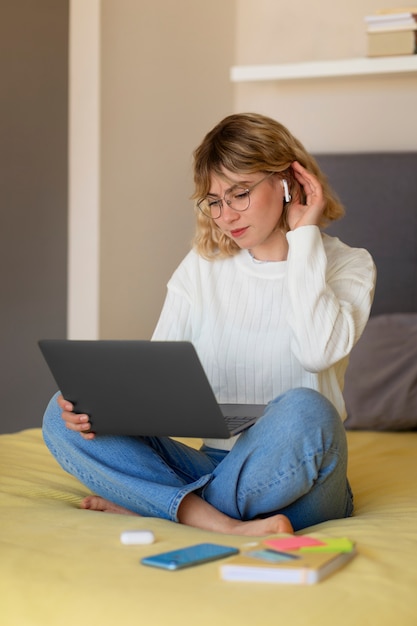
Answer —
237 198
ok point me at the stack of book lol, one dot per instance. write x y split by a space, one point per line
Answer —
392 32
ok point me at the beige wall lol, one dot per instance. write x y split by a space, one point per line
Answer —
164 81
335 114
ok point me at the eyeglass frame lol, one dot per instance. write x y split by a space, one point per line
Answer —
223 199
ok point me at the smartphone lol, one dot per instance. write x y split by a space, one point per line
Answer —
192 555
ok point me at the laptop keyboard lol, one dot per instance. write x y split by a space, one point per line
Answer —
239 422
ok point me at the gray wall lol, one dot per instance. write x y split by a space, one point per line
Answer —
33 201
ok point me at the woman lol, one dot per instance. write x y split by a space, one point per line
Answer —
273 307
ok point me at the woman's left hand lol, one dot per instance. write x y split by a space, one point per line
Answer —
309 214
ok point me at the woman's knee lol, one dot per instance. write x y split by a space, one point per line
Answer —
305 408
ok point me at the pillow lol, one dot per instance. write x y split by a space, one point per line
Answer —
381 380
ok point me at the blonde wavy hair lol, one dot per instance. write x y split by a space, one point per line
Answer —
246 143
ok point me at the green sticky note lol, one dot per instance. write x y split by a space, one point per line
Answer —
341 544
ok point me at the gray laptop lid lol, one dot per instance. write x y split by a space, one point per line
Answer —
149 388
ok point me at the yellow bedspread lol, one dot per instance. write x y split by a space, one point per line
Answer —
62 566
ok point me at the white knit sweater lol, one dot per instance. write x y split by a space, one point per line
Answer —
263 328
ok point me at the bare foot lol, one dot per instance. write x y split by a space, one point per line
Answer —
96 503
194 511
220 523
267 526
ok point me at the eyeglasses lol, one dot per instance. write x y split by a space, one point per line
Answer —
237 198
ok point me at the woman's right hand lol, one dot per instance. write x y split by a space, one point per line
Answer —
77 422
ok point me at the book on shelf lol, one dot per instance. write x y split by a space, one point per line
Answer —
410 24
391 43
299 560
401 19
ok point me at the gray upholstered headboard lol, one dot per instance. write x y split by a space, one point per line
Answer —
379 192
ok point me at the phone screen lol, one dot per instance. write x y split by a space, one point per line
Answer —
192 555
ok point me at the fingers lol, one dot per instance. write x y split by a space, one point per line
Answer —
309 213
77 422
64 404
310 183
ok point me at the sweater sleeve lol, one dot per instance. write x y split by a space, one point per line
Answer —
330 287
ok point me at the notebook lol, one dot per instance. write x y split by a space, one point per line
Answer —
297 560
143 388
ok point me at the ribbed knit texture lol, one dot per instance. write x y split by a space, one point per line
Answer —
263 328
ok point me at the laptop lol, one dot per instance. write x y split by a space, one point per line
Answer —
143 387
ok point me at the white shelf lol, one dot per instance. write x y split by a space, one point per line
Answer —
325 69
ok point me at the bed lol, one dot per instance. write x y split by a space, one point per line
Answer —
61 565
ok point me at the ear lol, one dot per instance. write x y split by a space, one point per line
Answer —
287 195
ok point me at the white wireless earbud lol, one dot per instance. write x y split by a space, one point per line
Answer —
287 195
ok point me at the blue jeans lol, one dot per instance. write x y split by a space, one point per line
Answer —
293 461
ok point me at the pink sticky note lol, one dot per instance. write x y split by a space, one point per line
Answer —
292 543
